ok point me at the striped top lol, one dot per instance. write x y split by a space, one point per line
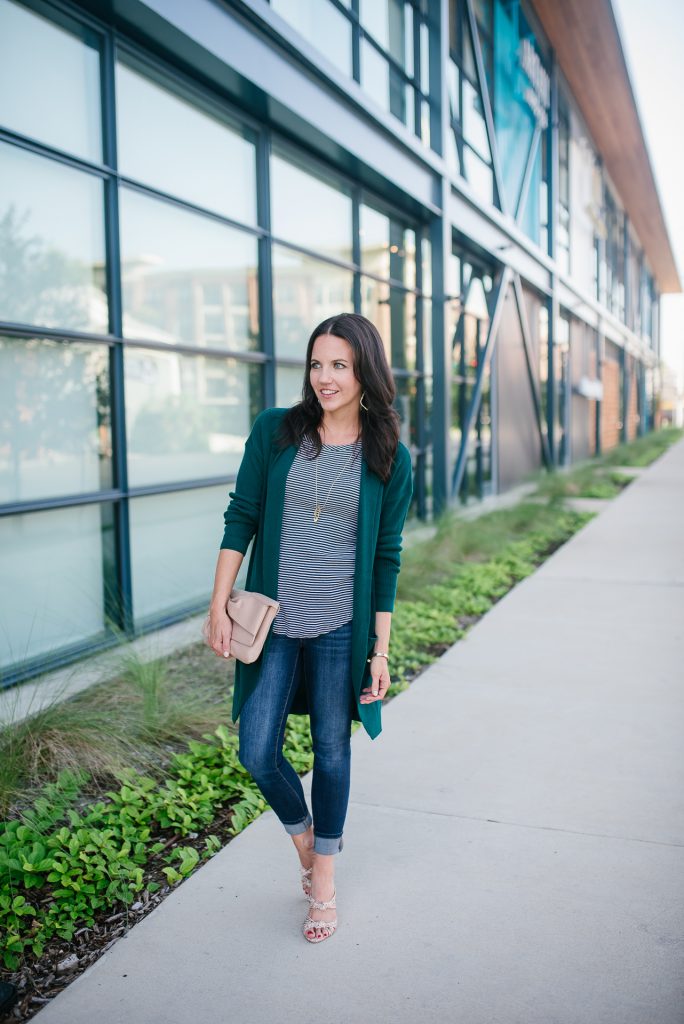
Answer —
316 568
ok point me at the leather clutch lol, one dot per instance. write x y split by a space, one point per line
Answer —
251 614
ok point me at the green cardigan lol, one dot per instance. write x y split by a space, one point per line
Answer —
256 510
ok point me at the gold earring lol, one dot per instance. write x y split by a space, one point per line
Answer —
361 402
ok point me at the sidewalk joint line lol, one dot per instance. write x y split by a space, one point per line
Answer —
518 824
620 582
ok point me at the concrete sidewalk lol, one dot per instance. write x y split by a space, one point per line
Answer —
516 858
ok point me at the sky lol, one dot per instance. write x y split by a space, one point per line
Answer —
652 34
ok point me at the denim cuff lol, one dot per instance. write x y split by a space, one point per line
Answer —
327 844
299 826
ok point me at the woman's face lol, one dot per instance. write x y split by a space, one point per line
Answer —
331 373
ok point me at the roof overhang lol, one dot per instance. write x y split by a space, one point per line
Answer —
586 39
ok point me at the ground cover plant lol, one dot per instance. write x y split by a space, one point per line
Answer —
112 798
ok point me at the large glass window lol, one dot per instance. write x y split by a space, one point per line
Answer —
55 434
187 417
469 319
305 291
468 149
521 111
563 221
187 279
177 147
51 563
52 271
310 211
386 48
50 81
323 26
174 544
388 247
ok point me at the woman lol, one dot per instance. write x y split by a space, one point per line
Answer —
324 489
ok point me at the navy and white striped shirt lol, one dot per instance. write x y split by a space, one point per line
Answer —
316 568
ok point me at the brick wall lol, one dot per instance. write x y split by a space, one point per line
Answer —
610 409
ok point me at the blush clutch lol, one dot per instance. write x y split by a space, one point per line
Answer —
251 615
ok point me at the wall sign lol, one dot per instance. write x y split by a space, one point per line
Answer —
537 95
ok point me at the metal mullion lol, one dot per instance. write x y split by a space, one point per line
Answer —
16 508
356 41
527 176
417 62
332 260
356 246
196 350
14 329
176 486
265 271
123 614
553 196
184 204
46 150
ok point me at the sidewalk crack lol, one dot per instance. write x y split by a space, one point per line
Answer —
518 824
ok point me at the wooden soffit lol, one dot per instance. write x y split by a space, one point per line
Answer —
585 36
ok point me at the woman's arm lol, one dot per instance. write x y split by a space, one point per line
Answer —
220 626
395 504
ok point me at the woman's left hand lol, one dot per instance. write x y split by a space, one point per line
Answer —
380 681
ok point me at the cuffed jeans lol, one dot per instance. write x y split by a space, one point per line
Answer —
326 663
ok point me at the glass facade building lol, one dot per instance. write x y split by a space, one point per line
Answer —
185 191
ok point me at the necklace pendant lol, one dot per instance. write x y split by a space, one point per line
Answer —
317 513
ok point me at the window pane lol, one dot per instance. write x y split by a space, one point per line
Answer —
384 20
393 312
375 74
175 540
375 304
322 26
45 72
305 292
167 142
289 380
51 570
405 404
187 416
388 249
479 175
310 212
52 242
186 278
54 419
474 126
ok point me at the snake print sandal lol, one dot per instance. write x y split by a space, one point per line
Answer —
305 874
316 931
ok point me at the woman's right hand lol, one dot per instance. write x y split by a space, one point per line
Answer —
220 630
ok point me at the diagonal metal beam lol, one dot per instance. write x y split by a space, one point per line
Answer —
486 104
476 396
527 345
527 176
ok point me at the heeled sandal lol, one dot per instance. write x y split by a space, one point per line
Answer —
305 874
321 929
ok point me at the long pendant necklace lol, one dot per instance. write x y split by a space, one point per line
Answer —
319 508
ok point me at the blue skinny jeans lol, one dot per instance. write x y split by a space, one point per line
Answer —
326 663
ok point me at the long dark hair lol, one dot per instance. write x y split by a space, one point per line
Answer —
380 423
